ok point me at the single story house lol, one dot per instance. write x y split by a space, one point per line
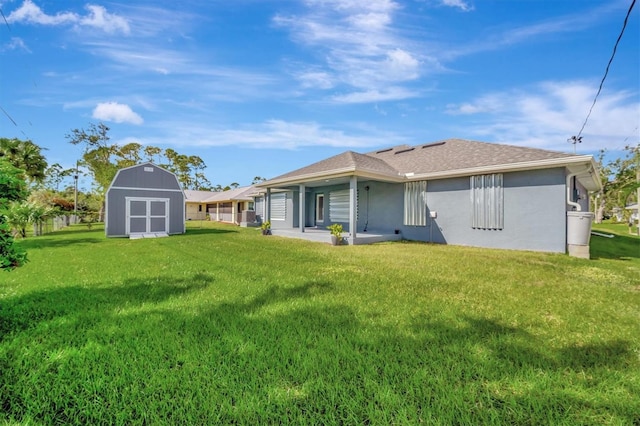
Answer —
232 206
451 192
144 200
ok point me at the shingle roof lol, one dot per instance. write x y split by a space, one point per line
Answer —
458 154
196 196
347 161
241 193
446 157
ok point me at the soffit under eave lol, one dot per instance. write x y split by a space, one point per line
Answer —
587 174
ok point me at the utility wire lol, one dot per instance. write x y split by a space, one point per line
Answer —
615 47
5 20
8 116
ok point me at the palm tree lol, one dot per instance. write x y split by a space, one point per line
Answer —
25 155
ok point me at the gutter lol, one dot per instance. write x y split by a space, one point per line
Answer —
329 174
568 185
500 168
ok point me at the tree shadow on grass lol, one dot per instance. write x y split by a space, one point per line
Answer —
133 353
55 239
49 242
25 312
205 231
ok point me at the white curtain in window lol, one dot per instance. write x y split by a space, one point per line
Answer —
487 201
415 203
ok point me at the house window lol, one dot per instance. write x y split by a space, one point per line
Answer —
199 207
279 206
415 203
487 202
339 205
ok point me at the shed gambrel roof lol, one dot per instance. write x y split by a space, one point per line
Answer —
446 158
145 176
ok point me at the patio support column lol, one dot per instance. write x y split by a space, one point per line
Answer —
302 207
234 207
217 212
267 206
353 207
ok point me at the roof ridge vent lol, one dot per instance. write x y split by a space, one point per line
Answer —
404 150
384 150
429 145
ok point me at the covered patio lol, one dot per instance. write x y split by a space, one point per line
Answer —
303 203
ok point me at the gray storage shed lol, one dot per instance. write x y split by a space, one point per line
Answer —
144 200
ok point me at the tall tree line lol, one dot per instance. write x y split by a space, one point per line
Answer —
103 159
620 183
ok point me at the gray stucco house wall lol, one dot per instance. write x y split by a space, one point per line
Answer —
291 219
455 192
144 199
534 211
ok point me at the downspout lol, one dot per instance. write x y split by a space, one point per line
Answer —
571 203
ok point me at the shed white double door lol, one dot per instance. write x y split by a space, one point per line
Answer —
147 215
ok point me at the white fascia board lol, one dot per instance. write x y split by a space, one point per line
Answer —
586 161
347 171
332 174
381 177
131 188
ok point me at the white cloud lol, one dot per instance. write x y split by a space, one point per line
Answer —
16 43
232 84
459 4
30 13
316 79
272 134
372 20
357 5
119 113
97 17
546 115
369 96
402 65
361 50
571 23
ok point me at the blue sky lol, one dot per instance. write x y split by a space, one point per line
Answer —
261 87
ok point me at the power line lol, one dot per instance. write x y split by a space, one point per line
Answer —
578 138
8 116
5 20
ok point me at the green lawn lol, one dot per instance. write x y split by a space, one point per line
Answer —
223 325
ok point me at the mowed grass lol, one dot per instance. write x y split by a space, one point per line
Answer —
223 325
